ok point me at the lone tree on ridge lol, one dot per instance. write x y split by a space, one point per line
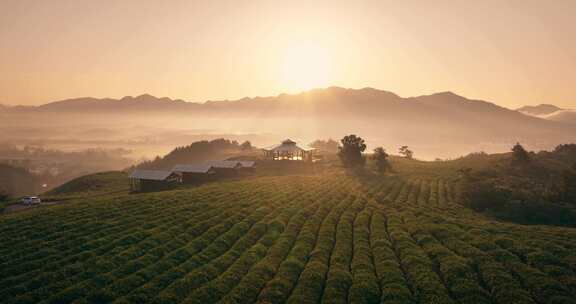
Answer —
350 152
407 153
380 158
519 155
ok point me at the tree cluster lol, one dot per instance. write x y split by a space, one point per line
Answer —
197 152
380 158
527 187
350 151
4 195
519 155
407 153
569 185
246 146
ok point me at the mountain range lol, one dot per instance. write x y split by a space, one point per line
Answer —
430 120
363 102
539 110
550 112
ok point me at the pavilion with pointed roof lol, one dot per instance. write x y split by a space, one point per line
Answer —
288 150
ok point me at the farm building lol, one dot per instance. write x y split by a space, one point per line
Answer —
225 168
152 180
195 173
288 150
247 166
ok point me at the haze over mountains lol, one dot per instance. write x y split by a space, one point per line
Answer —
550 112
437 125
541 109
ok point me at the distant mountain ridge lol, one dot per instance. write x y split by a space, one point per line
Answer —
564 116
550 112
541 109
142 102
445 109
366 101
436 122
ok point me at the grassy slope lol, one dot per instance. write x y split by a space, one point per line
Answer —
296 238
104 183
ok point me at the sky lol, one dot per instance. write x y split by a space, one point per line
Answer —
513 53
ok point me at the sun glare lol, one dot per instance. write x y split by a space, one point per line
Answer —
305 66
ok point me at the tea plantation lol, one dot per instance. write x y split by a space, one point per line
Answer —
316 238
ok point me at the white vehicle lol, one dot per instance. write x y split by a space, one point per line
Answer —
31 200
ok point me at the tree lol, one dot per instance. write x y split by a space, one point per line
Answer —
569 181
3 195
519 155
380 158
406 152
350 152
247 145
196 152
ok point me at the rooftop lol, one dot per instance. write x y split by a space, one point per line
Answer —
150 174
223 163
193 168
288 146
247 163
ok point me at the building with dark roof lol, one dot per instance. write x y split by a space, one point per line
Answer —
152 180
225 168
195 173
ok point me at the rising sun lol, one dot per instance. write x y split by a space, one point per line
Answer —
305 66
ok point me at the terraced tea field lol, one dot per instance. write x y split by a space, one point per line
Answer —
288 239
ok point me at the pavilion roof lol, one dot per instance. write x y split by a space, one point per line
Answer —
288 146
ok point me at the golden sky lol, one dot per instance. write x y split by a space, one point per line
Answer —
509 52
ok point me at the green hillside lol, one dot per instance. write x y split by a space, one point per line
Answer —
93 184
314 238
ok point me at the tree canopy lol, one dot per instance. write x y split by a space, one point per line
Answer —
380 158
247 145
569 185
196 152
519 155
350 152
404 151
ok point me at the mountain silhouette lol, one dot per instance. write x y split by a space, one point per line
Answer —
564 116
539 110
438 121
445 109
550 112
329 102
143 102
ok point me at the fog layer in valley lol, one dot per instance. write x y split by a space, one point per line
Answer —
442 125
132 129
